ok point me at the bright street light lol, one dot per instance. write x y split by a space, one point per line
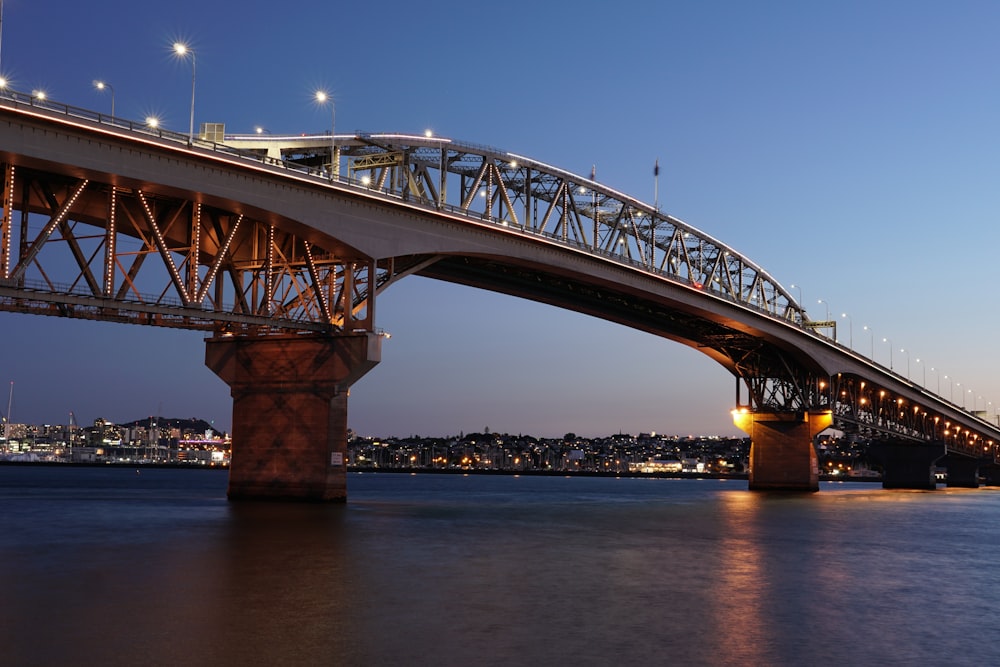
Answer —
871 335
101 85
850 327
183 51
886 340
322 97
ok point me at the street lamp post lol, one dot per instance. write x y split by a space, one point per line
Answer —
183 51
907 362
886 340
322 97
923 368
797 287
850 328
101 85
871 335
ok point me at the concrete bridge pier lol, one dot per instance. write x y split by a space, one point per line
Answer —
782 453
290 411
991 474
907 465
963 471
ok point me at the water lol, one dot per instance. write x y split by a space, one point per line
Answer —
103 566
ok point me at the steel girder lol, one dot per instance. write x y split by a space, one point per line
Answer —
873 411
81 248
519 193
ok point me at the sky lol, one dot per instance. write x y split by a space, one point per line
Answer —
849 148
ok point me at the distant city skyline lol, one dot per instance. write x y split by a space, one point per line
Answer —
848 149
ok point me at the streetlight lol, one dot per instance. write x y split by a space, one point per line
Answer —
850 328
827 308
923 366
886 340
800 292
152 121
101 85
907 362
183 51
322 97
951 392
872 336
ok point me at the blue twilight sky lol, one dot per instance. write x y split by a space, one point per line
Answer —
850 148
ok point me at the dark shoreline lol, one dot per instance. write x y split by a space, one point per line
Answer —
439 471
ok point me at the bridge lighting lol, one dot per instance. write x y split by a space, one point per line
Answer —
850 327
827 308
152 121
3 83
872 336
38 94
886 340
101 85
366 180
183 50
428 133
322 97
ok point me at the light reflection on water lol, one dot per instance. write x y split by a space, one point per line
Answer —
108 567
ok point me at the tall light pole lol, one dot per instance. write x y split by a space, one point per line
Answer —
827 308
951 389
101 85
923 366
886 340
871 334
183 51
322 97
850 328
907 362
800 292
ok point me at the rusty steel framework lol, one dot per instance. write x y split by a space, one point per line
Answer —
81 248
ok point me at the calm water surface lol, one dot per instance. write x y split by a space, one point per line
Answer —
109 567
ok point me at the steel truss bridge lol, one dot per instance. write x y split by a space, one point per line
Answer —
109 219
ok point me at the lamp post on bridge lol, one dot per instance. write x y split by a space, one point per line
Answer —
322 97
907 362
923 367
951 392
850 328
796 287
871 334
183 51
101 85
886 340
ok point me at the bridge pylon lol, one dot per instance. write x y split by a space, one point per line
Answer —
782 453
290 411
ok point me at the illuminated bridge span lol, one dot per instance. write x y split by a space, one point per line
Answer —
280 246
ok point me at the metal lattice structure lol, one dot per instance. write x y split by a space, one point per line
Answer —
89 249
90 246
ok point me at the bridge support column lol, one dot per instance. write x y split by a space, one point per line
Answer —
782 454
907 465
991 474
290 411
963 472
